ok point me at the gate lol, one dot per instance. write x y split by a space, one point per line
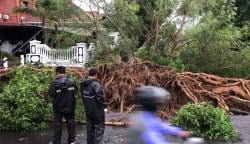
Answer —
76 56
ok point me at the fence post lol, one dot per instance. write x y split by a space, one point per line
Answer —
5 64
22 60
91 46
90 49
81 53
33 46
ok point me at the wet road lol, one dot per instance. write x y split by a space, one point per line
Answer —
113 135
242 124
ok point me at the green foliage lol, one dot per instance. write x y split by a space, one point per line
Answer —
141 53
64 40
204 120
161 59
24 102
214 52
215 45
139 24
177 64
192 35
79 112
243 10
23 105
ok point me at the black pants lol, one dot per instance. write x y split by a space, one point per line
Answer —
70 120
95 130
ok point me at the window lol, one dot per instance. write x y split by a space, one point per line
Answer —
24 3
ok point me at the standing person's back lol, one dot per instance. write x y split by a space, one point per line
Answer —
94 104
64 99
62 91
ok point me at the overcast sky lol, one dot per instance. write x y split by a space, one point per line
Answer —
87 5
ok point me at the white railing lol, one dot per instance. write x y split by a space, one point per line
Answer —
74 56
5 64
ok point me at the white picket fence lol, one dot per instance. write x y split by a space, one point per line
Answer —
76 56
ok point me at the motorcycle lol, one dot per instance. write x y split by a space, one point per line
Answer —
194 140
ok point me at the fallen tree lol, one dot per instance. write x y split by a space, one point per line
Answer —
120 80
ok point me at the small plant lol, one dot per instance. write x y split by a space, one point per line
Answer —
206 121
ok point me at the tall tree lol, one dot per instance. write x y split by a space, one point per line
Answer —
196 35
140 23
215 44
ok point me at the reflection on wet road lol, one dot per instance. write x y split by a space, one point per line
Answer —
112 136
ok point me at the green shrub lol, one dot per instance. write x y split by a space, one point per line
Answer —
206 121
79 112
23 101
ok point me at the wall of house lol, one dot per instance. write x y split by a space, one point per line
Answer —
8 18
6 10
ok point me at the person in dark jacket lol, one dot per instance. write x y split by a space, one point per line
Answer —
62 91
94 103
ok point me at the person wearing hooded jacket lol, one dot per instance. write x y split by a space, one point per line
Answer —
62 91
94 103
145 126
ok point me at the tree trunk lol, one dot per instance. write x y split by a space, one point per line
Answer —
45 32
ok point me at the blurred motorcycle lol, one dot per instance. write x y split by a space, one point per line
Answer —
146 127
194 140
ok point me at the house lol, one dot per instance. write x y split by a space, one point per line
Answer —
15 29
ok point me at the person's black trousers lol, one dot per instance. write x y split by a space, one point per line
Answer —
95 130
70 120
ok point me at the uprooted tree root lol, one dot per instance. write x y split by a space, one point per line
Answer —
227 93
120 80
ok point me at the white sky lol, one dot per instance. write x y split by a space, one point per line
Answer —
88 5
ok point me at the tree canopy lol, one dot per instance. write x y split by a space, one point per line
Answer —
194 35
